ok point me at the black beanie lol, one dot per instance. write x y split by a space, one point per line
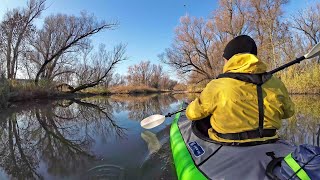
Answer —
240 44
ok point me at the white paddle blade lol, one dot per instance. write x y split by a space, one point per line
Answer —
315 51
152 121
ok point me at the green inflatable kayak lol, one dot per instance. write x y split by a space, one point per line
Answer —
197 157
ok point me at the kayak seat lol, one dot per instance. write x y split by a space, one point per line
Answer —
200 128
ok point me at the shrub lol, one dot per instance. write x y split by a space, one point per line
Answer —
4 92
305 81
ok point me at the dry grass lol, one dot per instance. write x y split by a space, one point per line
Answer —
131 98
306 81
195 88
26 90
133 90
98 90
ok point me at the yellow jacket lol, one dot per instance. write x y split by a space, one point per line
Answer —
233 104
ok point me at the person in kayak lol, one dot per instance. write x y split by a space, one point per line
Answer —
232 104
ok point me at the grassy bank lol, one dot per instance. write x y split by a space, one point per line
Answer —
100 90
27 90
134 90
24 90
12 91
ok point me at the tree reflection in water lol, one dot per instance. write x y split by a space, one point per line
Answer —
303 127
54 136
58 139
140 106
17 155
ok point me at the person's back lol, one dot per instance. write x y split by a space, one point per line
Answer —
233 104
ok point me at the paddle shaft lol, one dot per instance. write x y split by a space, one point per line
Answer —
298 60
170 114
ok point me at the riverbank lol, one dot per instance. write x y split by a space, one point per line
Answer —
11 93
124 90
14 91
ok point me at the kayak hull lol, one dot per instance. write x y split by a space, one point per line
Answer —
184 165
198 158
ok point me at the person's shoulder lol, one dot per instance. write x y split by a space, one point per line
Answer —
218 84
216 81
224 80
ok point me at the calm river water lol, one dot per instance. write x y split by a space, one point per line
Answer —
101 137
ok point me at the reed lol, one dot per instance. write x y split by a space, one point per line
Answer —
302 81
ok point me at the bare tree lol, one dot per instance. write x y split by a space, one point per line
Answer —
14 30
139 74
232 17
64 69
167 83
268 30
192 50
307 22
118 80
198 45
156 76
101 67
2 62
63 34
151 75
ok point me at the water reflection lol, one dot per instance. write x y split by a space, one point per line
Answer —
152 142
304 127
158 163
141 106
60 139
101 138
58 135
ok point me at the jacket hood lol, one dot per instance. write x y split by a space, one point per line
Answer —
245 63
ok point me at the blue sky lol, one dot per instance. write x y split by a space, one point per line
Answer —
146 26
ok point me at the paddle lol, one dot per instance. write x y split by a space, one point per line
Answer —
157 119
